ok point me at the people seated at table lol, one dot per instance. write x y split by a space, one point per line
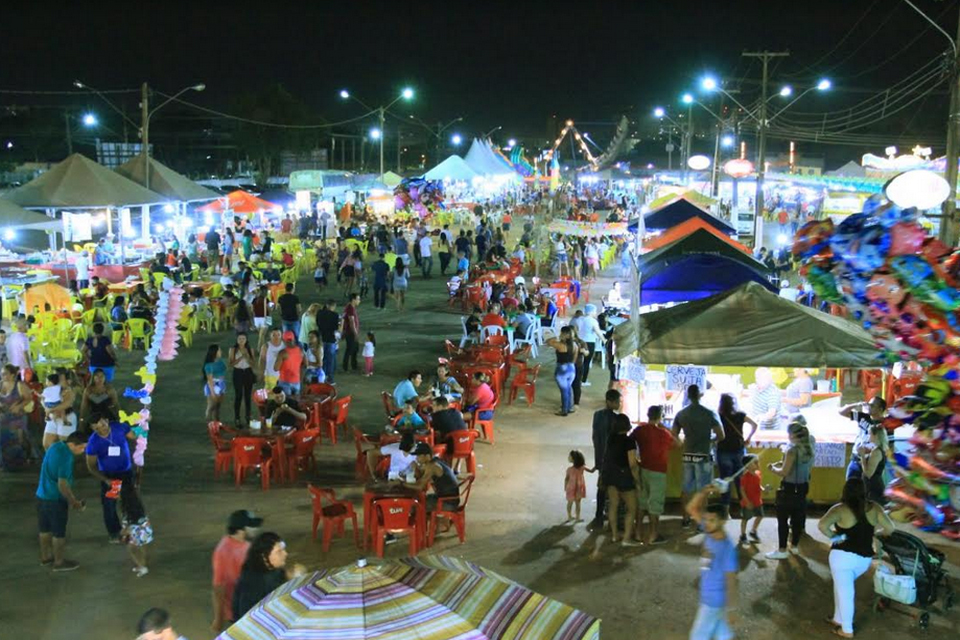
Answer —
615 297
407 389
494 317
444 384
445 420
118 314
410 420
402 460
186 267
480 398
524 320
455 282
547 310
431 470
283 410
473 323
100 291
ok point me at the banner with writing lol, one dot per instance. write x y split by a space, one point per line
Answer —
632 369
830 454
679 377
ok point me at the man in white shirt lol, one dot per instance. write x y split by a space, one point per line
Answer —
82 265
426 256
401 460
18 346
766 400
588 330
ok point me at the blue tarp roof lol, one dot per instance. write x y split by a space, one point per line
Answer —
677 212
694 276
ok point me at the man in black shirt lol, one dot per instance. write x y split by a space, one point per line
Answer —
380 271
329 326
289 305
284 411
446 420
602 427
213 250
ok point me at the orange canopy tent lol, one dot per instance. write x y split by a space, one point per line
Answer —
240 202
39 295
686 228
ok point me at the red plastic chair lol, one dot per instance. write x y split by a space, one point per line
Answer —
260 399
360 465
222 449
334 515
452 349
248 454
340 412
526 381
395 515
388 407
301 457
320 389
485 426
871 381
457 517
383 468
461 448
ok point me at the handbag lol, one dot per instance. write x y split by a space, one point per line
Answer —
898 587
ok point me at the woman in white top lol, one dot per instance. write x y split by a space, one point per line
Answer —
401 280
243 363
268 358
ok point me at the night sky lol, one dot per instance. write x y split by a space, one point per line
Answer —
513 64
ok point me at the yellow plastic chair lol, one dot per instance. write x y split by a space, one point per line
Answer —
195 271
145 274
88 318
137 329
158 279
201 320
215 291
80 332
186 322
288 276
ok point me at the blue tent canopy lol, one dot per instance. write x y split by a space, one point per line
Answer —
695 276
677 212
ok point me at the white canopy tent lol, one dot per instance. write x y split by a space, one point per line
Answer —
453 169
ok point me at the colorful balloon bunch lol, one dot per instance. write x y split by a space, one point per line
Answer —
163 347
420 195
902 286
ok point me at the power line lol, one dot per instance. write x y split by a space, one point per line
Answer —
842 40
263 123
29 92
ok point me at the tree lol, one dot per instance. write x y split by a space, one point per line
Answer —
264 144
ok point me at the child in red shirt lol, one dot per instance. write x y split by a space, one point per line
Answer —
751 499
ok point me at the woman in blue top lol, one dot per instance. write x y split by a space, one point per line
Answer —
792 495
214 381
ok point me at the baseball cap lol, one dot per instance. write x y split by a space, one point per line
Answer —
288 335
243 519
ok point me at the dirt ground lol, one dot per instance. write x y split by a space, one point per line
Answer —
515 518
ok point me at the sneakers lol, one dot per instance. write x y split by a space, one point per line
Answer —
141 571
743 539
685 522
46 563
754 537
113 540
776 555
631 543
66 565
584 384
658 540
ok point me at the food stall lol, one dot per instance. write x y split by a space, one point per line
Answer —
721 340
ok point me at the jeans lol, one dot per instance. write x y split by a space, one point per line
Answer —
588 360
294 326
444 262
379 297
576 386
845 567
329 360
350 353
728 463
565 375
791 512
426 265
711 624
110 518
289 388
697 475
242 390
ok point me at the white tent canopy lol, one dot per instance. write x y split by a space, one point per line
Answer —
482 160
454 169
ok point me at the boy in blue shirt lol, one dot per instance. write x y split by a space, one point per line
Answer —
108 460
55 499
718 570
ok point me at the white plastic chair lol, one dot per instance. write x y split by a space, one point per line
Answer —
466 338
530 338
489 330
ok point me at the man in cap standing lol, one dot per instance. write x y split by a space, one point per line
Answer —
228 559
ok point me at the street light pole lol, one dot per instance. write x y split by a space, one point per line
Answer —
949 225
382 118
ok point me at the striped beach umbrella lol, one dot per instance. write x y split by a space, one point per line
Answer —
423 598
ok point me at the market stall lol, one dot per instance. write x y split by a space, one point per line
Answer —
680 211
721 339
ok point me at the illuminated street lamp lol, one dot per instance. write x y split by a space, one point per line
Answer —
727 141
90 120
456 139
377 133
786 92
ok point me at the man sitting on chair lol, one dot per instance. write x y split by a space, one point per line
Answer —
493 317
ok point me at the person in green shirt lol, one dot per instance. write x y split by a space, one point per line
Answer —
55 499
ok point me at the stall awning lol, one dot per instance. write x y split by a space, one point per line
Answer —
14 216
80 183
239 202
680 211
165 181
453 168
747 326
693 276
686 228
702 241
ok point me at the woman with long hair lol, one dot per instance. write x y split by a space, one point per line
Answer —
99 397
214 374
794 469
851 526
242 317
348 273
620 475
730 450
264 570
566 347
243 362
401 281
16 401
873 460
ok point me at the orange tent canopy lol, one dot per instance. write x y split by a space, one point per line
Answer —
45 293
239 202
686 228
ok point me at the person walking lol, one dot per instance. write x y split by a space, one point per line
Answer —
108 460
401 280
214 375
697 423
351 333
601 429
55 498
444 252
381 270
718 570
426 255
243 363
851 525
329 325
588 329
228 558
566 372
730 450
264 569
794 469
290 310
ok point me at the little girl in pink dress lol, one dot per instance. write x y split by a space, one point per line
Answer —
574 484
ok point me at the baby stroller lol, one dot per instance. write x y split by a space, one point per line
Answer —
918 579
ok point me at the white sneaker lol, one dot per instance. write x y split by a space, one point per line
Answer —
584 384
141 571
776 555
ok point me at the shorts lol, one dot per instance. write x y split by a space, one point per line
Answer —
52 517
711 624
261 323
619 478
653 492
697 475
748 513
219 387
107 372
321 280
62 428
448 505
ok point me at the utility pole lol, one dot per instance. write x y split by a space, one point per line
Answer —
382 135
765 57
66 122
949 225
145 132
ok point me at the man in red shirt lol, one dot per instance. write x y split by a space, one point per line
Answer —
493 317
290 364
228 559
654 442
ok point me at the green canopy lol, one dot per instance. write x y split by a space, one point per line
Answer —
703 242
14 216
747 326
391 179
80 183
165 181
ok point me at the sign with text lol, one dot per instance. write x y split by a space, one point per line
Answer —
632 369
679 377
830 454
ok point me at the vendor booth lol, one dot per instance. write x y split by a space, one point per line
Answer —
669 279
680 211
720 340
